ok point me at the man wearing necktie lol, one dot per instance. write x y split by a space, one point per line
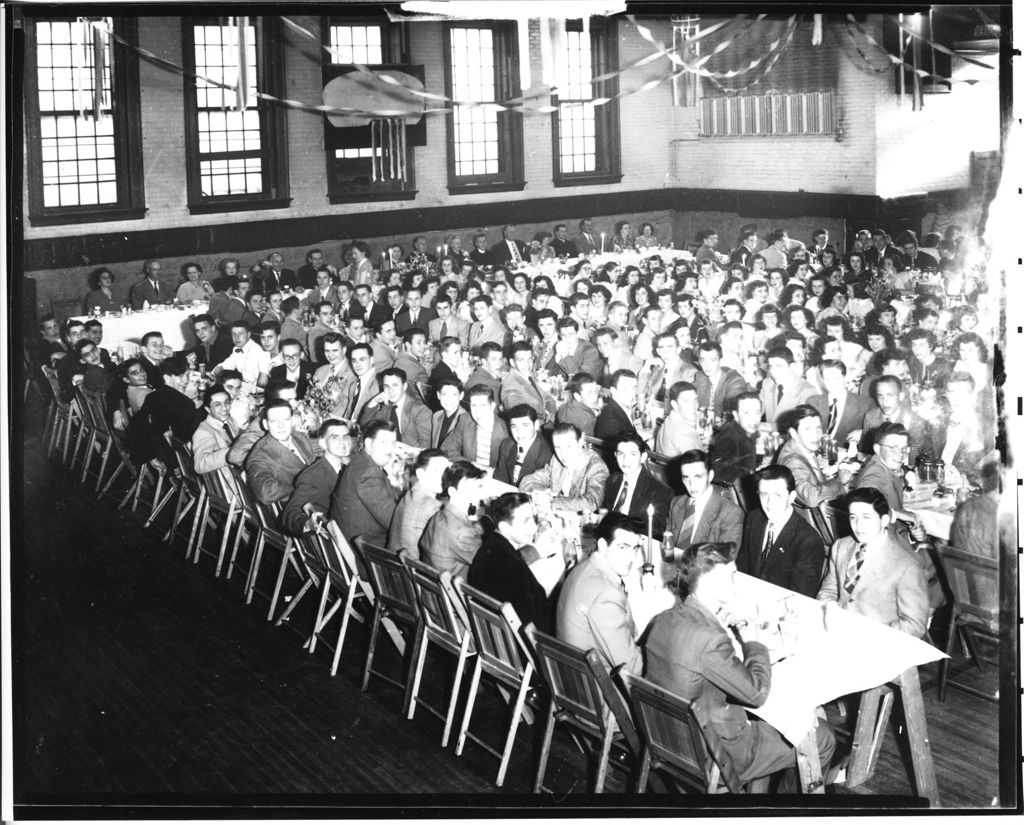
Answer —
526 450
279 456
842 410
814 485
701 515
871 574
508 249
149 289
407 414
213 436
778 545
585 241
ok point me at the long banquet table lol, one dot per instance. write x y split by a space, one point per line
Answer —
124 332
821 653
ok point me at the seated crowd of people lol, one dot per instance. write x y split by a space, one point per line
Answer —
469 410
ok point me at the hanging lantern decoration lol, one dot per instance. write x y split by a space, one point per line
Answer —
242 82
387 108
684 87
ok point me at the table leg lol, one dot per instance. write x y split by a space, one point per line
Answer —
809 764
917 734
872 718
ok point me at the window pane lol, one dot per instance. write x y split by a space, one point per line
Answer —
222 130
356 44
475 129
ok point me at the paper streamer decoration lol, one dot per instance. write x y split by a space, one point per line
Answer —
242 84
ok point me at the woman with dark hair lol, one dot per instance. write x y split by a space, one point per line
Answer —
856 268
540 248
609 273
833 302
972 358
193 287
793 294
756 295
640 297
828 257
624 239
229 266
646 239
708 650
100 296
766 325
583 269
361 271
800 319
521 286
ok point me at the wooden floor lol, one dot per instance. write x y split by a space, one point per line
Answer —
141 680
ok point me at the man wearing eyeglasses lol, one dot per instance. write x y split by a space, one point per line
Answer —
593 611
293 368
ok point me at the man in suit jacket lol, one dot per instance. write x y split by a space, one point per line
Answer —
574 479
446 323
279 456
226 306
370 311
891 408
592 608
842 411
614 356
404 410
702 514
586 242
363 502
526 451
634 487
778 545
451 539
572 354
499 568
488 327
670 367
410 360
448 424
562 246
213 436
293 369
213 346
419 503
871 574
734 449
717 386
799 455
362 385
415 315
615 416
508 249
784 389
310 501
481 436
520 387
149 288
488 374
275 276
584 398
690 653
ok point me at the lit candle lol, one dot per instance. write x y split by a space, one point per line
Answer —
439 252
446 249
602 243
384 259
650 532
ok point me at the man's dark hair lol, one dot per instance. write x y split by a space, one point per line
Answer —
457 472
212 390
521 411
868 495
773 472
695 457
503 508
615 521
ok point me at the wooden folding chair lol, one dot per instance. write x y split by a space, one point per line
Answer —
575 700
82 451
676 741
323 566
221 500
396 599
973 581
31 378
503 657
191 496
443 622
60 433
745 491
104 440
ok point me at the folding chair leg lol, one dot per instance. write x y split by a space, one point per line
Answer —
374 628
87 458
286 559
159 502
474 683
545 748
321 620
346 615
645 770
517 714
224 541
602 763
291 605
417 662
200 515
103 465
460 669
254 569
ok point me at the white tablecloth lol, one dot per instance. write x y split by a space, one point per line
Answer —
936 516
174 324
812 665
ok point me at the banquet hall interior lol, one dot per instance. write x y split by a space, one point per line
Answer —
401 399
